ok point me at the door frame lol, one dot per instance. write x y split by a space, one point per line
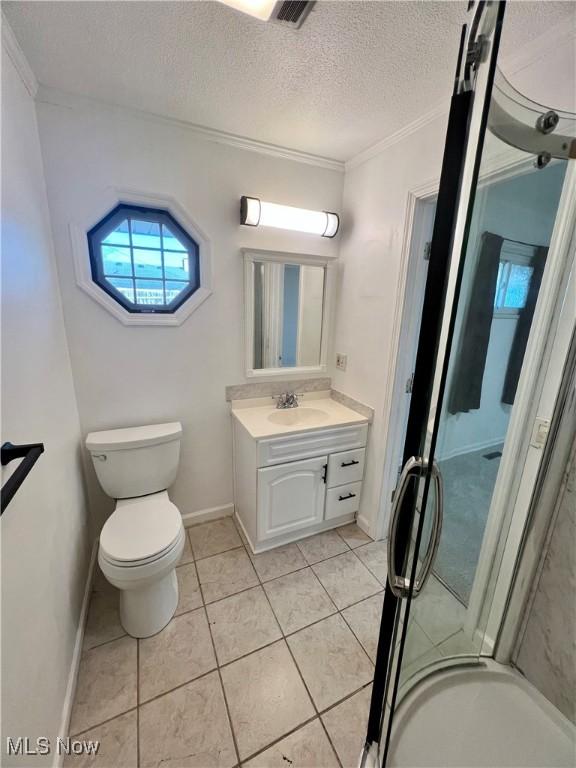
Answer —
401 366
505 165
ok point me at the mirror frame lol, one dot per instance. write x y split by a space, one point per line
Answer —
252 255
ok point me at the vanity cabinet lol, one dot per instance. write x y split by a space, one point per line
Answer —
291 486
291 496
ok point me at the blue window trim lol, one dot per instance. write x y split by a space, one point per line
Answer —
160 215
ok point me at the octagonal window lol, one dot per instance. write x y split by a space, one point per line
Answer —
144 259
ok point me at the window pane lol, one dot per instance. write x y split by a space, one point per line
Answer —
174 289
148 263
150 292
176 265
125 287
517 288
171 242
116 261
145 234
120 235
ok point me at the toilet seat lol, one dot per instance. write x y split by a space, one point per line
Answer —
141 531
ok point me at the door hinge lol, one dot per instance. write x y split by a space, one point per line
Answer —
427 249
410 383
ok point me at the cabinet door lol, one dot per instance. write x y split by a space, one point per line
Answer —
291 496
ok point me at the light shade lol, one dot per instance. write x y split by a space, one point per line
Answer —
260 9
257 213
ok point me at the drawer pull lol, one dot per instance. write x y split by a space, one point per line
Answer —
349 496
349 463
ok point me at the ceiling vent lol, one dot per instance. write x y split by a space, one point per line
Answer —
292 12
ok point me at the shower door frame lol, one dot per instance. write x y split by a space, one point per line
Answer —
506 165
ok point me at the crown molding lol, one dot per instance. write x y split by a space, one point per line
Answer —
17 57
541 46
538 48
380 146
60 98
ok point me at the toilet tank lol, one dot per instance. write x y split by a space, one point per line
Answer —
136 461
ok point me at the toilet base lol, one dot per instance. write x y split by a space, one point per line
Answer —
147 610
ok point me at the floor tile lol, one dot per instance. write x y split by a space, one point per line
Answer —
117 745
353 535
458 644
438 612
189 595
242 623
187 556
226 574
103 622
266 696
346 724
106 684
298 599
187 728
419 663
346 580
364 620
213 538
308 747
332 661
179 653
322 545
278 562
375 558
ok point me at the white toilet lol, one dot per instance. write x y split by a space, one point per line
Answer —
142 541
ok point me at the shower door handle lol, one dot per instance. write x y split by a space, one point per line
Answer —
400 585
413 468
434 541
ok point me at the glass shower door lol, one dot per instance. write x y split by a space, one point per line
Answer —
488 258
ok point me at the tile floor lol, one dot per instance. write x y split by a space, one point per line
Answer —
267 662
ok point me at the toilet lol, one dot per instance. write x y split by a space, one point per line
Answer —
143 540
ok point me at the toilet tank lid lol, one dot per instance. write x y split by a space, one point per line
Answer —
133 437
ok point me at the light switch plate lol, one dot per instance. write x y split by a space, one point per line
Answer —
341 361
540 432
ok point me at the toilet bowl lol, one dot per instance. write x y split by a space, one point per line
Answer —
142 541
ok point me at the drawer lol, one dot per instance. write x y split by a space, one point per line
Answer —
345 467
343 500
306 445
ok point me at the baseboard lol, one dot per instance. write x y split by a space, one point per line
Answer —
472 448
205 515
76 656
365 525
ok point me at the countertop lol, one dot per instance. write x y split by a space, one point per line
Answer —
318 408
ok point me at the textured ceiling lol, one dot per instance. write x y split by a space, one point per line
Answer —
353 74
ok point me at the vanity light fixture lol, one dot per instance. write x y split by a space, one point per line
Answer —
257 213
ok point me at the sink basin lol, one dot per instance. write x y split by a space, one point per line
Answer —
296 417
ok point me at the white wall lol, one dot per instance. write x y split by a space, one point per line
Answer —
138 375
375 198
45 548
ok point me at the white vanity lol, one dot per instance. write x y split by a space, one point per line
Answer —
297 471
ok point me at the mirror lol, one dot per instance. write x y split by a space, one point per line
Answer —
286 309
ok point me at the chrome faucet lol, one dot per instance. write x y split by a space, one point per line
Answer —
287 400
